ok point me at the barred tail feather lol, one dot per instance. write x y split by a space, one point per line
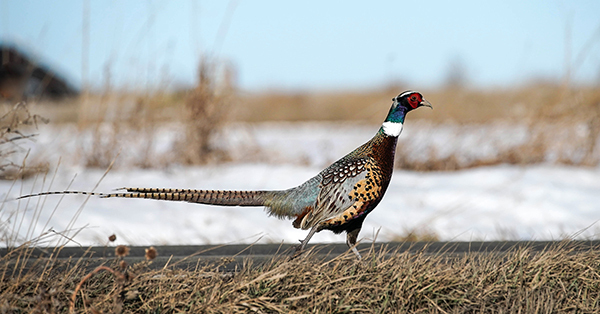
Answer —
61 192
210 197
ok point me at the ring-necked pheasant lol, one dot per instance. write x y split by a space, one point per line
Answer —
337 199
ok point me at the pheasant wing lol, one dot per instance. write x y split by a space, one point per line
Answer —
347 190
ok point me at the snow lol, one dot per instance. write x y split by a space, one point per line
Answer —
539 202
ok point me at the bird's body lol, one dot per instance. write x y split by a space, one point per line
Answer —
337 199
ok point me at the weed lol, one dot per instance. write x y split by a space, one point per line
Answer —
205 112
14 129
560 278
155 130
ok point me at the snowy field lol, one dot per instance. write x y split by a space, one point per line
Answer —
540 202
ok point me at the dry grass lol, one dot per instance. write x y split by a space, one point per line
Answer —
206 109
16 124
109 123
529 103
559 279
553 115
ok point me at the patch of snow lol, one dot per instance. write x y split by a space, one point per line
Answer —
502 202
493 203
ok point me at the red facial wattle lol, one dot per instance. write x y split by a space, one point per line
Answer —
414 100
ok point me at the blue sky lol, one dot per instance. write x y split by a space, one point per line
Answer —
299 45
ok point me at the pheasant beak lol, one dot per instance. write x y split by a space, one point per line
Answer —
426 104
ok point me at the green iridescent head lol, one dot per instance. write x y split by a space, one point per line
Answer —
404 103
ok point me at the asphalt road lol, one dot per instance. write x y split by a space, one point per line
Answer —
237 256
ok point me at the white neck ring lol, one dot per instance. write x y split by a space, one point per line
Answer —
392 128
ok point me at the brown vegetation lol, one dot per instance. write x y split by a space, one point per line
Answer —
109 123
15 128
530 103
558 279
205 111
552 114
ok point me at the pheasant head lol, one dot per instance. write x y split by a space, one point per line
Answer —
402 104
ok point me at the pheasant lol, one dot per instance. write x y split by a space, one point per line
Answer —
337 199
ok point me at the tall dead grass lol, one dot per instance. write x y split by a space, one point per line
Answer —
206 109
532 102
562 124
562 278
112 123
16 126
552 114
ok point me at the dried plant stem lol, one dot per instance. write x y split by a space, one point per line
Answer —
117 275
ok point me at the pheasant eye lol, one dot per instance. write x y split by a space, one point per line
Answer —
413 100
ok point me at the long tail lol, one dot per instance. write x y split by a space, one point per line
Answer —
211 197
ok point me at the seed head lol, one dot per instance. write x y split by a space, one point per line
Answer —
151 253
121 250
